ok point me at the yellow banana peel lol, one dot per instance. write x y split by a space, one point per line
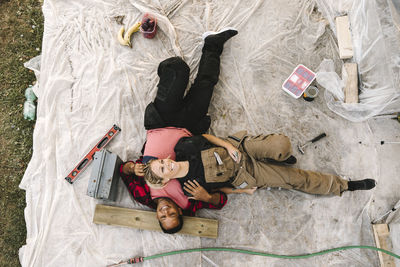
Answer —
131 30
125 39
121 39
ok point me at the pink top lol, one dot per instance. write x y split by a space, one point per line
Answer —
174 191
161 141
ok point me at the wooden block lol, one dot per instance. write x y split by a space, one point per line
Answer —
351 87
147 220
344 37
382 240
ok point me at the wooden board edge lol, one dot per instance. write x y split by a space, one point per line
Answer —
214 225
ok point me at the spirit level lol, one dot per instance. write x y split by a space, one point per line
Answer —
89 157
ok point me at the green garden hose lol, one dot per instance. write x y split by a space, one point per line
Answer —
244 251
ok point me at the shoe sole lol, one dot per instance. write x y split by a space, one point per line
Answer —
204 36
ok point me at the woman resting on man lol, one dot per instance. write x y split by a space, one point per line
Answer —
171 116
243 162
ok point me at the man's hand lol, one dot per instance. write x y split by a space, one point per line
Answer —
139 169
133 168
197 191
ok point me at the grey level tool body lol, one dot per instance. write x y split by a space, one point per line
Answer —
302 147
103 182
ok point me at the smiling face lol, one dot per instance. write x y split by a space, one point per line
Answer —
165 168
168 213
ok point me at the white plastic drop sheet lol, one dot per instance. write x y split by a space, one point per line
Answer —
376 46
88 82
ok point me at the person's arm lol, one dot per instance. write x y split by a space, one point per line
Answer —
196 204
230 190
135 184
199 193
233 151
130 167
214 199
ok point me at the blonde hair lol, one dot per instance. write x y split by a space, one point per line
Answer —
152 179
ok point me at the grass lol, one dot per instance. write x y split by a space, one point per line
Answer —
21 33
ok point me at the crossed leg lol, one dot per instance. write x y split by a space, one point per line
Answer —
190 111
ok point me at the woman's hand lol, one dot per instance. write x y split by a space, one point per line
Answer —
197 191
133 168
249 191
233 152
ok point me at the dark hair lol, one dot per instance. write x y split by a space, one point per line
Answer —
175 229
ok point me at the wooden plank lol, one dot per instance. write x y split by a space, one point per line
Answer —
351 87
382 240
344 37
147 220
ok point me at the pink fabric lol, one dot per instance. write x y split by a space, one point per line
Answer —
174 191
161 141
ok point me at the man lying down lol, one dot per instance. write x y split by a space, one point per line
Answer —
170 117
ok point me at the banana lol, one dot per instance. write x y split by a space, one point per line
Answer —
131 30
121 39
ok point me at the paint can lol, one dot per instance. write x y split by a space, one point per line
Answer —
310 93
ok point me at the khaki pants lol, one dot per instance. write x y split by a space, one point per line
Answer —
272 146
278 147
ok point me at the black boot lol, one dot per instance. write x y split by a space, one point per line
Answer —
365 184
214 41
291 160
